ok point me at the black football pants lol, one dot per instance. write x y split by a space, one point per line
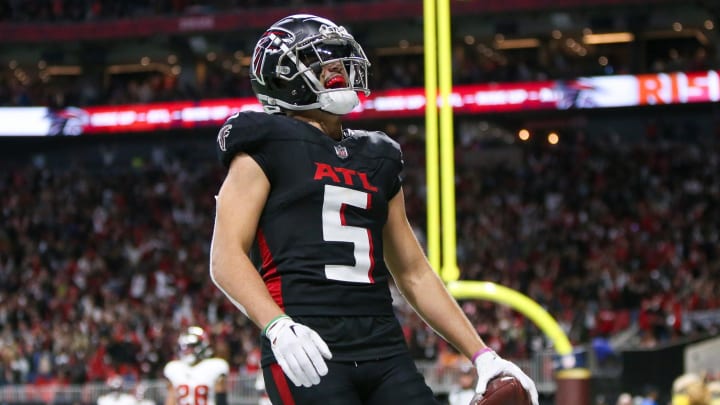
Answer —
389 381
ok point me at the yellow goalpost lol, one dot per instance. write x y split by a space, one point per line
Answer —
440 172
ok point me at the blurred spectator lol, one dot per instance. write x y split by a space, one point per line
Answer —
117 394
713 388
690 389
463 393
624 399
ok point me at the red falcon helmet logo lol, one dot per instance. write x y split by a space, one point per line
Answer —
271 41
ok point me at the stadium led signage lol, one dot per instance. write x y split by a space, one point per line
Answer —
580 93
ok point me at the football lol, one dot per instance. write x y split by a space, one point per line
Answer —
503 390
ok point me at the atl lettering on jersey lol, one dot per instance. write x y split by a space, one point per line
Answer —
341 175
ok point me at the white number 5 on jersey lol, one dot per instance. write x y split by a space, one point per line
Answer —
335 230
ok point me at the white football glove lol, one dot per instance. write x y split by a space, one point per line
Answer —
489 365
299 350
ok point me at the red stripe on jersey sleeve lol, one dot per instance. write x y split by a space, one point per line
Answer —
372 244
269 271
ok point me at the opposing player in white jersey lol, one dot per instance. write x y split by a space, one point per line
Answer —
196 378
117 394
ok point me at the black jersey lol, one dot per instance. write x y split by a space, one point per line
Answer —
320 235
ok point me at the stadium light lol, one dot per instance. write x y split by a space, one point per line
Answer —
608 38
517 43
524 134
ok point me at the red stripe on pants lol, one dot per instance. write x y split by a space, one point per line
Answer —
281 383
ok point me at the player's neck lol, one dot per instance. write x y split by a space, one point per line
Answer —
328 123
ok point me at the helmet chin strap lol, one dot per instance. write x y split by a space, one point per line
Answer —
338 102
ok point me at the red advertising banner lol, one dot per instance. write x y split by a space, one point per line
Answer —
580 93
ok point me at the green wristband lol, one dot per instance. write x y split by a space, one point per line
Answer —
272 321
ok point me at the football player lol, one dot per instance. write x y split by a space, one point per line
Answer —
196 378
464 391
118 394
140 390
320 209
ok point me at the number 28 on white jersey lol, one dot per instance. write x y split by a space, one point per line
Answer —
195 384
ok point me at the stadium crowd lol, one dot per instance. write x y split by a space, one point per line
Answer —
220 80
194 77
388 72
103 259
91 10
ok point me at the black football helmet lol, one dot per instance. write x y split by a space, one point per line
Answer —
289 57
193 345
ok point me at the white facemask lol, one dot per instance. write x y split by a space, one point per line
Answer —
338 102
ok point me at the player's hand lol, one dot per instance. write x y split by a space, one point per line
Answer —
489 365
299 350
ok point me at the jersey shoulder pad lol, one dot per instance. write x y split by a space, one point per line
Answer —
216 365
380 143
172 368
246 132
